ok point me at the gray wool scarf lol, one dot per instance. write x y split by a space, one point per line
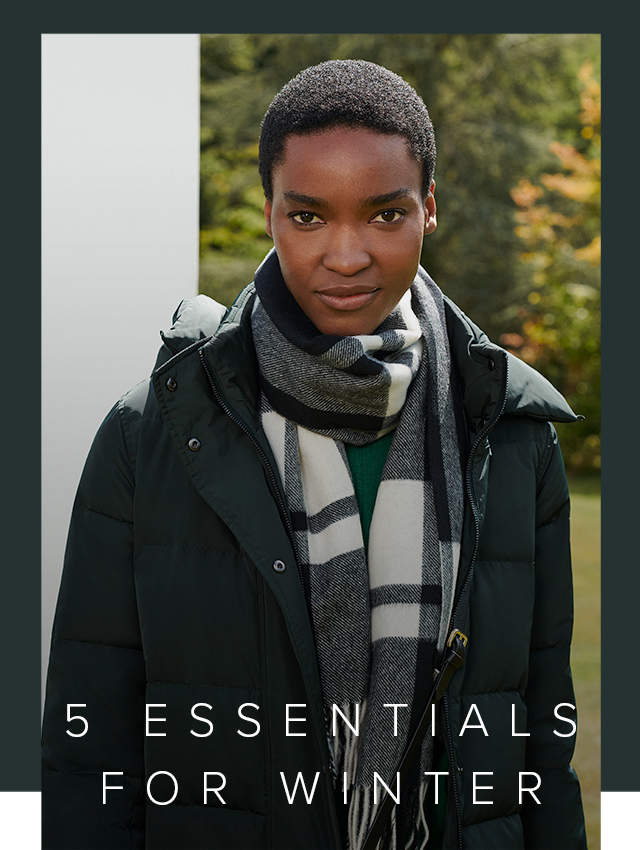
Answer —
379 617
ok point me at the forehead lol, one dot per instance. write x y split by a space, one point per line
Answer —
349 156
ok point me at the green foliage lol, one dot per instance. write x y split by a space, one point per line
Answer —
560 227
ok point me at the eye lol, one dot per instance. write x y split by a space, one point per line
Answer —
389 216
305 217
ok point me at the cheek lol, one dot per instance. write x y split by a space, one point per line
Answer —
295 270
407 248
298 258
404 262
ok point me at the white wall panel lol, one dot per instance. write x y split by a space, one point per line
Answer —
120 164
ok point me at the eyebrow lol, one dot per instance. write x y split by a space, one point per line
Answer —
371 201
305 200
380 200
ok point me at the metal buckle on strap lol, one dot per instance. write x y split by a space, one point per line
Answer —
457 633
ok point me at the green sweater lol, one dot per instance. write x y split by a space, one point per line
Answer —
366 464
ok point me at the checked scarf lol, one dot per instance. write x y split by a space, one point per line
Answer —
379 617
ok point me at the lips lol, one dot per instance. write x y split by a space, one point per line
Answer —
347 297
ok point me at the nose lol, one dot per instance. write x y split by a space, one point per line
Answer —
347 252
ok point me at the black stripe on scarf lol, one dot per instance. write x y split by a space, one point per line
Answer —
390 594
322 420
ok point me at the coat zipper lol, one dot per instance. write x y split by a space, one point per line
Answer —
280 501
466 589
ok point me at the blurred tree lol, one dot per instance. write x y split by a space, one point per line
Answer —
560 331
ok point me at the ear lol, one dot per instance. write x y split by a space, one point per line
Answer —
430 222
267 217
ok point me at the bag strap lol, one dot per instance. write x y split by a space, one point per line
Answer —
454 657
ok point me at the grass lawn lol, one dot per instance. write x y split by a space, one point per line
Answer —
585 655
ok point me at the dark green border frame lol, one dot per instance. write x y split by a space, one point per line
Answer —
20 422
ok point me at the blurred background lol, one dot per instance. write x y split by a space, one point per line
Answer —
517 120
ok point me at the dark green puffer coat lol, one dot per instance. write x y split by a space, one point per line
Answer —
174 594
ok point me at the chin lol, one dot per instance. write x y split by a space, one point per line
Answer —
345 328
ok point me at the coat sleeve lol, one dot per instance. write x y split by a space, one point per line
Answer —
96 668
557 822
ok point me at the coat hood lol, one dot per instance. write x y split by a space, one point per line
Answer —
194 319
482 365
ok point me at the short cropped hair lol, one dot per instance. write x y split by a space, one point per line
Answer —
346 93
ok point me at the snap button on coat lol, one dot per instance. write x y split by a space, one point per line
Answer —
194 444
172 384
279 566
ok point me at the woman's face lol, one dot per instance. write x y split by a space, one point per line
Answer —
348 219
